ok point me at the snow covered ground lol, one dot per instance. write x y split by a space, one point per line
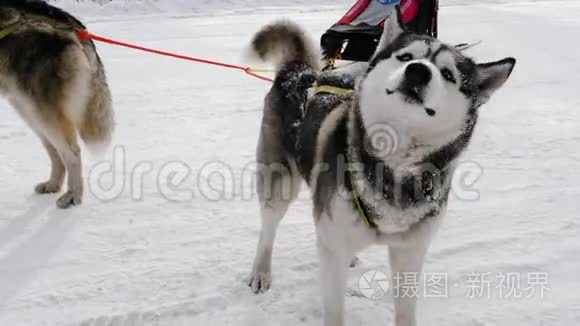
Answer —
151 255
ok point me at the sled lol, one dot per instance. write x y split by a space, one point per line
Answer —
356 35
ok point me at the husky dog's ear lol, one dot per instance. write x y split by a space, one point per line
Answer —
393 29
492 76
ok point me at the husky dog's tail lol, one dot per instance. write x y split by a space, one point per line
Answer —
297 66
284 42
97 125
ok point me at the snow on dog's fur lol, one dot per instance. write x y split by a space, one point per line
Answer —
392 144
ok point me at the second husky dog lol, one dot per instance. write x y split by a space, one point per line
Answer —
58 86
378 161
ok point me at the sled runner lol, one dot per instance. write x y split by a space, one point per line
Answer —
356 35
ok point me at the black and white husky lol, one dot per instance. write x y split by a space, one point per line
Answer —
379 161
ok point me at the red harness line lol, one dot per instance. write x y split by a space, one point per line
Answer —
86 35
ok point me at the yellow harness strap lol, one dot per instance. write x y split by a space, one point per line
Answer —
260 70
331 90
364 214
9 29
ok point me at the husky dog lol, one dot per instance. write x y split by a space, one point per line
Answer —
378 161
58 86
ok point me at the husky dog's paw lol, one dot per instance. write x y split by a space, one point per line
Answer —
260 282
69 199
47 188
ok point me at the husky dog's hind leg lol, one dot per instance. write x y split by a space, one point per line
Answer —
278 176
278 184
64 139
60 114
57 172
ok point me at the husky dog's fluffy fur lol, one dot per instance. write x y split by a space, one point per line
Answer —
58 86
387 151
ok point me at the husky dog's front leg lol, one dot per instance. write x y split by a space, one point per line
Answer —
333 271
407 259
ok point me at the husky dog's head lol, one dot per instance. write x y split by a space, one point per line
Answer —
428 91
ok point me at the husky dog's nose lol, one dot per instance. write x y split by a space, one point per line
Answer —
418 74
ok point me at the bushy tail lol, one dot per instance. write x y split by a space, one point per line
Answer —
297 66
98 122
284 42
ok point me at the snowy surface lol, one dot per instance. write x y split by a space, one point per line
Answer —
150 256
116 8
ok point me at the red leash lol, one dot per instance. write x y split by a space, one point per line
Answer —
86 35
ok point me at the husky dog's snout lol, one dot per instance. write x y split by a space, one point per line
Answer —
418 75
416 78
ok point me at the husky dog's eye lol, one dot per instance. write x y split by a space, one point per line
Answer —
405 57
448 75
